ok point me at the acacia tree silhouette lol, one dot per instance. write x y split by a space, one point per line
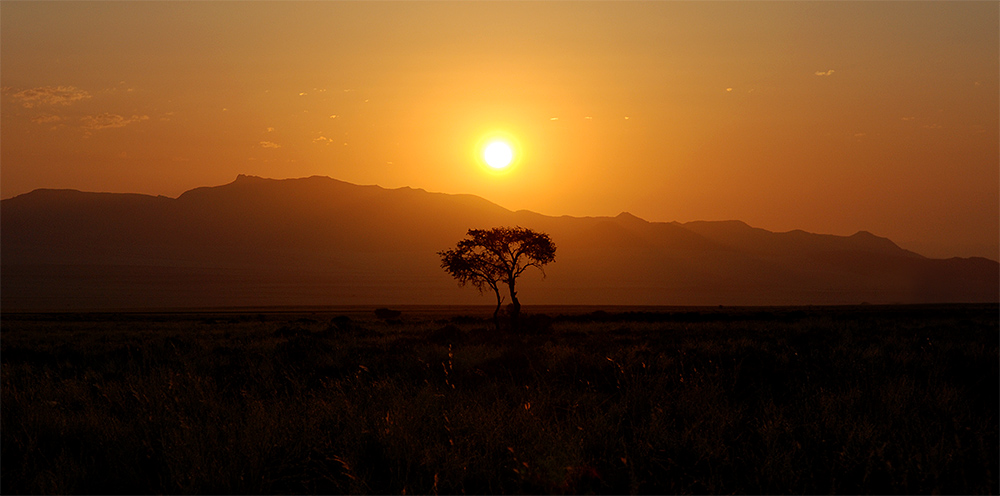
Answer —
488 257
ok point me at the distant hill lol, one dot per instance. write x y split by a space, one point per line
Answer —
319 241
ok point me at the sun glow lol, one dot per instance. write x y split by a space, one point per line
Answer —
498 154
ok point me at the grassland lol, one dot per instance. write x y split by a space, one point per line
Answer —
752 400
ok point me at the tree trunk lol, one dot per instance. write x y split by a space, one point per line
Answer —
515 306
496 312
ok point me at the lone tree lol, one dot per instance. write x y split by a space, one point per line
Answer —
488 257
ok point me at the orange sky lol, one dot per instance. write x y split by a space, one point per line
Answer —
824 116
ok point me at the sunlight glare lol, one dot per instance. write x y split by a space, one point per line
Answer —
498 154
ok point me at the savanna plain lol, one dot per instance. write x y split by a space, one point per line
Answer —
863 399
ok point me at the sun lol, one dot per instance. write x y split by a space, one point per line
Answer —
498 154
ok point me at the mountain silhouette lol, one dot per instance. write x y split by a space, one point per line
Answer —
320 241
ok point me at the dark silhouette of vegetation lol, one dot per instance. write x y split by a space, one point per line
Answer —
387 314
488 257
855 400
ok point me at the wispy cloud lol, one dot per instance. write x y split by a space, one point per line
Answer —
50 95
47 118
269 144
108 121
323 139
824 73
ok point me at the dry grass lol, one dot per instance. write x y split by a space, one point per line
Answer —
828 400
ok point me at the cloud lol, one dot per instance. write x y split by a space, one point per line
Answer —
50 95
269 144
323 139
107 121
827 73
44 119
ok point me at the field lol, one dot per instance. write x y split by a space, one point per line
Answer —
867 399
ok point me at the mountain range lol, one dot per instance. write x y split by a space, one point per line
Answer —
320 241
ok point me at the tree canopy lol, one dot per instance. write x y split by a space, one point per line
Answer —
486 258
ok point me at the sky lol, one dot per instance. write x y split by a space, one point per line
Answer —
830 117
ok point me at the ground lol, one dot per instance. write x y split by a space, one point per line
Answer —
866 399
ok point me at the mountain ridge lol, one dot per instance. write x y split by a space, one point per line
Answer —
244 179
319 240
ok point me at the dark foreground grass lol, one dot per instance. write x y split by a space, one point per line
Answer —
828 400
